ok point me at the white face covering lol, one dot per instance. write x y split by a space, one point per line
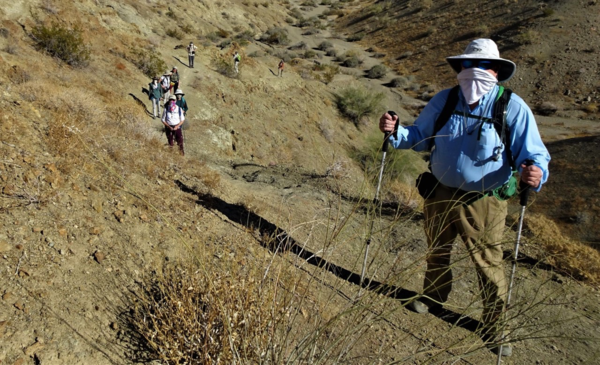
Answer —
475 83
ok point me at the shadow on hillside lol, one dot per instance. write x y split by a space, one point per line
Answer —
282 241
141 103
180 61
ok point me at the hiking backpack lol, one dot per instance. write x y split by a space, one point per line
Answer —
498 118
426 182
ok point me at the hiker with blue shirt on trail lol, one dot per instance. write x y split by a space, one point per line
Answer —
474 158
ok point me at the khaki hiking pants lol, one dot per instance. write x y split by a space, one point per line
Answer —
480 225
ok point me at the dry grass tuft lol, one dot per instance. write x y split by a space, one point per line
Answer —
572 257
188 316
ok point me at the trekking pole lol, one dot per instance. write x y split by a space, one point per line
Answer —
524 196
384 148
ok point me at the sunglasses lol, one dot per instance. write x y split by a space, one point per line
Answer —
484 65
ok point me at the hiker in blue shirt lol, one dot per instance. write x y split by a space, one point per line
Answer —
471 168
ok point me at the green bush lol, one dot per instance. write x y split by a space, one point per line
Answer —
331 52
325 45
63 43
244 38
357 103
276 36
309 53
351 61
356 37
377 72
175 33
224 67
148 62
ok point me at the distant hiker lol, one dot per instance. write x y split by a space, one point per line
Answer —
191 54
173 117
236 61
280 68
174 79
154 94
165 84
181 101
473 156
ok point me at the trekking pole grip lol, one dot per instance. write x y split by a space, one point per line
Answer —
384 147
525 188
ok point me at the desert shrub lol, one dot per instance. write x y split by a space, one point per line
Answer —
18 75
329 73
325 2
357 103
311 31
325 45
244 38
591 108
63 43
547 108
186 28
309 22
175 33
405 55
255 54
284 55
222 33
296 13
528 37
4 33
309 3
213 37
309 53
301 45
275 36
225 43
224 67
149 62
331 52
11 48
377 72
290 20
356 37
547 12
351 61
184 315
171 14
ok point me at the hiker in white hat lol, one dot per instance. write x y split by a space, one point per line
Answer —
165 84
479 134
173 118
181 102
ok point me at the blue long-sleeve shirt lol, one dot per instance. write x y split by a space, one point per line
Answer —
459 160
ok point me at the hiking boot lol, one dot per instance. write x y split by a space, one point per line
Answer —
418 306
423 306
506 349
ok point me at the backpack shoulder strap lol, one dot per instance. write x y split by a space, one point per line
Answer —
499 121
445 114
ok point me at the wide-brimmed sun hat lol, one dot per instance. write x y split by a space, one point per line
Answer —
484 49
179 92
167 73
172 97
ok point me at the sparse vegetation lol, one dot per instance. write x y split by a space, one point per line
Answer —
63 43
224 67
149 62
356 37
325 45
276 36
377 72
175 33
358 103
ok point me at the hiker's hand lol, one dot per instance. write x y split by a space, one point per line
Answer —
387 123
531 175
